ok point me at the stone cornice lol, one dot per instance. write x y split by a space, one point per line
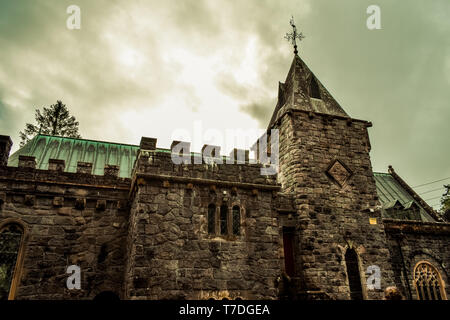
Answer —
407 226
203 181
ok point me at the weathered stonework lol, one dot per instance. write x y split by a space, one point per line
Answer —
202 229
58 235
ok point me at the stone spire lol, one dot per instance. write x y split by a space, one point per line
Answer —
303 91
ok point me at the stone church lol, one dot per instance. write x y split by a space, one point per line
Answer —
139 226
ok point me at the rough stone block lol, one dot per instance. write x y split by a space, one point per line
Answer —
58 201
238 156
148 143
29 199
181 147
111 170
84 167
101 205
56 165
210 151
80 203
5 147
27 162
2 197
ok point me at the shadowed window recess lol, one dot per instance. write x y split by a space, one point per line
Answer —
10 241
314 91
223 220
211 219
236 220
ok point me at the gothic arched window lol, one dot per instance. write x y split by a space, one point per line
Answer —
211 219
223 220
236 220
11 236
354 278
428 282
314 91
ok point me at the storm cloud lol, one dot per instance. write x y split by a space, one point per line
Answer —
145 68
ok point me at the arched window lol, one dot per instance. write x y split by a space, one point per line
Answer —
428 282
223 220
314 91
211 219
11 237
354 278
236 220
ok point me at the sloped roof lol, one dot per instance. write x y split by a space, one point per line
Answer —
72 150
390 193
294 94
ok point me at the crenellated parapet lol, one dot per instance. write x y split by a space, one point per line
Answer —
209 167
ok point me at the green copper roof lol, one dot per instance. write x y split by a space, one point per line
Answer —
389 191
100 153
72 150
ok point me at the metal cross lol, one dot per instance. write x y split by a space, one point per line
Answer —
294 35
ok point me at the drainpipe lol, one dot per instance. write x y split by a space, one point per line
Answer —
405 274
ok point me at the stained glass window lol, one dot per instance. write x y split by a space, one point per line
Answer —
10 240
428 282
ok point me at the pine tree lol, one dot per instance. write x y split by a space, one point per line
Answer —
55 121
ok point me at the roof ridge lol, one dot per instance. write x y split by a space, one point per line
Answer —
83 139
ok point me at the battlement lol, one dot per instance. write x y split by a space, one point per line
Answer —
111 160
208 165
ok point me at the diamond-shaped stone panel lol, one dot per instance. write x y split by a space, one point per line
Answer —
339 172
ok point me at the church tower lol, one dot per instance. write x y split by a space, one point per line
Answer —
338 236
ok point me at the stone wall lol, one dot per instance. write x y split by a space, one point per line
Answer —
325 163
69 219
172 256
147 237
411 242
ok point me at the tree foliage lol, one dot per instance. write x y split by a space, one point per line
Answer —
445 202
54 120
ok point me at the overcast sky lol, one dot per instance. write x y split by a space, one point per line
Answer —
147 68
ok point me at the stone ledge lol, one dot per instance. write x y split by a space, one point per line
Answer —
29 175
223 183
397 226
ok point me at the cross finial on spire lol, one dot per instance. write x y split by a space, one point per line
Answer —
294 35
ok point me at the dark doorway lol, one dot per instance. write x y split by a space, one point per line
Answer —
354 278
288 245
